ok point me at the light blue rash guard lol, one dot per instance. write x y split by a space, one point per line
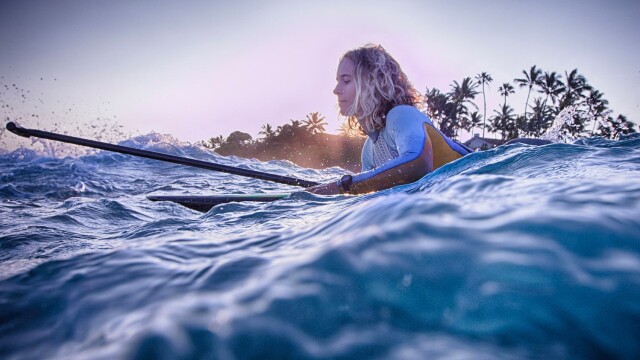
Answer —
406 149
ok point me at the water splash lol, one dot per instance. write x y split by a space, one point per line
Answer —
29 110
153 140
557 132
101 129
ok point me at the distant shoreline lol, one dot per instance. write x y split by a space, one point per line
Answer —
316 151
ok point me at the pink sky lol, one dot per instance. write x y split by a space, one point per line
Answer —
198 69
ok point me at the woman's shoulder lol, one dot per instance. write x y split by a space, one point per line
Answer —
405 113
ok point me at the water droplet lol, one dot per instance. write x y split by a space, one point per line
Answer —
407 279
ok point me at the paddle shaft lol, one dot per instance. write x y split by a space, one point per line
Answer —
158 156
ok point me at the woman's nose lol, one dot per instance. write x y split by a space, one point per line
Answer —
336 90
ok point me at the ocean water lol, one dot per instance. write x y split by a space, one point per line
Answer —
520 252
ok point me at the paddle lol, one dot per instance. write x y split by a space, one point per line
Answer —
158 156
206 202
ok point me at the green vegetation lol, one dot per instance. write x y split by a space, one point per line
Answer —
451 110
305 142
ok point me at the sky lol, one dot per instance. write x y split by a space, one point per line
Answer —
197 69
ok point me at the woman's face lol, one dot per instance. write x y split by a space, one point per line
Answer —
345 88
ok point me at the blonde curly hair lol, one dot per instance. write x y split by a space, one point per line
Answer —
380 85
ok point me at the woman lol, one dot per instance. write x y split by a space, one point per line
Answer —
402 145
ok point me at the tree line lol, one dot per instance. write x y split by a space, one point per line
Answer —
552 93
306 142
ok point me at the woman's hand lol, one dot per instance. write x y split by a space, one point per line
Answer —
324 189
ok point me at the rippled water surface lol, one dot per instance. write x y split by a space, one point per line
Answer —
517 252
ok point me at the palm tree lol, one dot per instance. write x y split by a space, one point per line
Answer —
215 142
474 120
533 77
267 131
460 94
575 84
295 130
484 78
597 107
315 123
540 119
613 128
503 121
463 92
551 85
436 103
505 90
348 131
626 126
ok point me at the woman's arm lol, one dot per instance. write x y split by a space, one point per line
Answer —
415 156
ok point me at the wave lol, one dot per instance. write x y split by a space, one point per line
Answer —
516 252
